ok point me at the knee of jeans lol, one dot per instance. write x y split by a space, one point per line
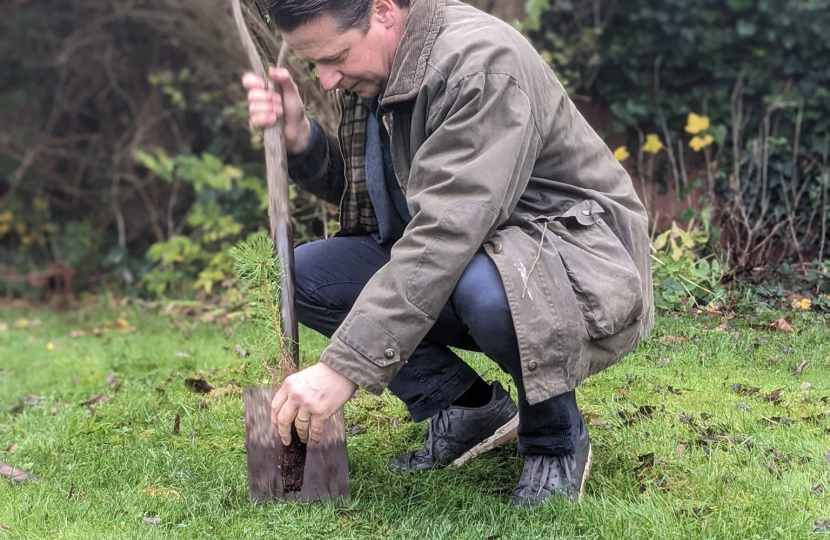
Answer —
484 309
303 269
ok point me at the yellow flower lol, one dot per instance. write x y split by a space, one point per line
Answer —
50 346
804 303
6 217
40 204
26 239
621 153
4 228
699 143
21 228
232 172
695 124
653 143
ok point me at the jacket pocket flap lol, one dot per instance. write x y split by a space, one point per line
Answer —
583 212
372 341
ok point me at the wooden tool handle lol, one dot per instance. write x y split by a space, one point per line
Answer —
278 200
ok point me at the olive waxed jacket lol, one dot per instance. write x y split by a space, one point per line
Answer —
491 154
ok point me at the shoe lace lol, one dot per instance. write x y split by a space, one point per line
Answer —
544 470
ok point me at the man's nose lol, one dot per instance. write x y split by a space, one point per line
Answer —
329 77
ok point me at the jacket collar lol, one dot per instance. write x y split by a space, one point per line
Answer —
422 25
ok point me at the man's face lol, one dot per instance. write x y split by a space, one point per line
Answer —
353 61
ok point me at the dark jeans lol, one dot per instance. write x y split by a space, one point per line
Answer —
329 277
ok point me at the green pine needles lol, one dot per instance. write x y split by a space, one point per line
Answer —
259 269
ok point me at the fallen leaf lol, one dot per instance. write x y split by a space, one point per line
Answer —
664 362
15 407
200 385
356 429
121 323
153 491
784 324
76 379
31 400
773 468
743 406
16 475
100 398
241 352
77 333
71 492
685 419
153 520
805 386
54 411
622 390
680 450
822 526
777 421
774 396
112 378
675 339
646 461
11 448
721 328
646 410
232 388
801 367
818 489
739 388
177 423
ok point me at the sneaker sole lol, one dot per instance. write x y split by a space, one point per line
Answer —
587 472
505 433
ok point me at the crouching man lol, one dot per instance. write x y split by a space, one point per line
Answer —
478 210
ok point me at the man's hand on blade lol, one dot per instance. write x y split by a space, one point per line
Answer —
308 399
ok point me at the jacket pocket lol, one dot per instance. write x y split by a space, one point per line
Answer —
603 275
372 341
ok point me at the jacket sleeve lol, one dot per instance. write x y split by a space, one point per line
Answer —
319 168
465 180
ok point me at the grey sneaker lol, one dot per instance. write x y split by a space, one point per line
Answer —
544 476
458 434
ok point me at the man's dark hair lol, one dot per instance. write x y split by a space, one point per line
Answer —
288 15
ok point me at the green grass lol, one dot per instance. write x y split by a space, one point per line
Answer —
126 464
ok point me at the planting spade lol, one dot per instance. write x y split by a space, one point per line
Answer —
297 472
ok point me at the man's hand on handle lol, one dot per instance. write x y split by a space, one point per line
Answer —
308 398
265 106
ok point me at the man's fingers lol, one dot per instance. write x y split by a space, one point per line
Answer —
276 405
284 420
251 80
255 107
302 422
318 425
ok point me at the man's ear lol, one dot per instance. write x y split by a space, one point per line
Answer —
384 11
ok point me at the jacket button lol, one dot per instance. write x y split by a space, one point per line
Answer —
531 366
586 212
600 221
497 249
390 353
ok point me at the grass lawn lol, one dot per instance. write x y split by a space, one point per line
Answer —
691 439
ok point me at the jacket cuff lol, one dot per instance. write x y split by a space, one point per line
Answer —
364 353
308 163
